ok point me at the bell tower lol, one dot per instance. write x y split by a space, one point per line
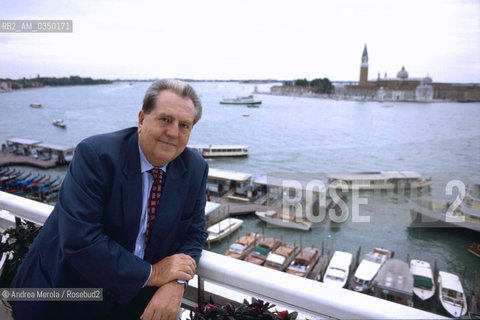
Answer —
364 67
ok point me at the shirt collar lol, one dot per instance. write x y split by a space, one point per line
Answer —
145 165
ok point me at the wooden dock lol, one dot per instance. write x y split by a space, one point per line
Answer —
11 159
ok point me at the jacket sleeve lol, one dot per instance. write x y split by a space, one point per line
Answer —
196 235
82 202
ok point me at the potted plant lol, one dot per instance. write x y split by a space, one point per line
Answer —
258 309
14 246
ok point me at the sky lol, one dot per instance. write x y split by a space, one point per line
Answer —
246 39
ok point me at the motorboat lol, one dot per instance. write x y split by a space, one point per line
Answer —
394 282
423 283
451 295
259 253
35 105
220 230
474 248
338 269
283 220
248 100
240 248
59 123
304 262
368 268
282 256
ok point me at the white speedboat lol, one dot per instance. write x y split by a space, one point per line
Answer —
59 123
423 284
282 220
338 269
451 295
221 229
368 268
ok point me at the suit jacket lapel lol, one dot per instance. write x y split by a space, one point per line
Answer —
132 193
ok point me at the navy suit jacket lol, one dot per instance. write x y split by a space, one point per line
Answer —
89 238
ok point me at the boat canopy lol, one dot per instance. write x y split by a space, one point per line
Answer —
227 175
422 282
395 276
260 250
276 259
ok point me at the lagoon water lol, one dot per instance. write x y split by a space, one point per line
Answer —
298 136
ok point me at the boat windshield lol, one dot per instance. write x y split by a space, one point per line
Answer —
237 248
333 278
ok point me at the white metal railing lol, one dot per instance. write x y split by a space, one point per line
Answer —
222 274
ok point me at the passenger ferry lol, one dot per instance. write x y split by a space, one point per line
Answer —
248 100
221 151
384 180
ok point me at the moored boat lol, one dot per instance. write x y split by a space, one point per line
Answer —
368 268
423 283
283 220
221 229
451 295
474 248
338 269
394 282
304 262
259 253
240 248
282 256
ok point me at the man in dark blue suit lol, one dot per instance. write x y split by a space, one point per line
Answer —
96 235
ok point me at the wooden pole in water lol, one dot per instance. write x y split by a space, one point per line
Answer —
357 258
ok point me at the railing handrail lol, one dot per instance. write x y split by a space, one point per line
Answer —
306 296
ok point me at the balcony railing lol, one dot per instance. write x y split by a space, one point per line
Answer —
224 279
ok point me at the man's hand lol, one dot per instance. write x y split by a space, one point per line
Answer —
165 303
177 267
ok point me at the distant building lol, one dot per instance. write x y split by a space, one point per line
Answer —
403 88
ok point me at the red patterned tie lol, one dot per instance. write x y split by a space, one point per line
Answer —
153 200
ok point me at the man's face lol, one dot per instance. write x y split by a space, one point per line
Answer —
164 132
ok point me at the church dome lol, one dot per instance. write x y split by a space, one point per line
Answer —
427 80
402 74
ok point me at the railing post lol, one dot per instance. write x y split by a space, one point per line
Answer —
200 293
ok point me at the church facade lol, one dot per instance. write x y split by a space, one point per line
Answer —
404 88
